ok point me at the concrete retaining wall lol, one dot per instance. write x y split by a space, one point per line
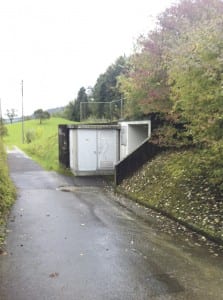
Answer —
145 152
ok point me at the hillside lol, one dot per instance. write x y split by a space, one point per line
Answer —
179 185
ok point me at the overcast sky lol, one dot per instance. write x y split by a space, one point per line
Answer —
58 46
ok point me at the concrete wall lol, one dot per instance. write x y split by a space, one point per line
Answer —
133 134
136 135
135 160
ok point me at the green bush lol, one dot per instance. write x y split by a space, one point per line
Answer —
30 136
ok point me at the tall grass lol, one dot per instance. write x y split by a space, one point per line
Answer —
41 140
7 191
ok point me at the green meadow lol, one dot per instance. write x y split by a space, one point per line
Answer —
40 140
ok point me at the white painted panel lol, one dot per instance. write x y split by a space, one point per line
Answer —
123 135
72 158
87 149
107 148
137 133
123 141
133 133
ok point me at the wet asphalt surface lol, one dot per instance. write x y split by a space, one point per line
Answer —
69 239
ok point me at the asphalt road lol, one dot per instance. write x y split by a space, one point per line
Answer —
68 238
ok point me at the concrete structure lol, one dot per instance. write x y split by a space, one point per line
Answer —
96 149
133 134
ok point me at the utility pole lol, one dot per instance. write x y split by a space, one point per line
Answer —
22 116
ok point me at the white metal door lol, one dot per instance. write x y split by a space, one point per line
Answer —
107 149
87 150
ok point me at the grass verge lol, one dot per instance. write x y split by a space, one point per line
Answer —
7 192
41 141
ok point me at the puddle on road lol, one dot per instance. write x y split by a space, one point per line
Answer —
73 189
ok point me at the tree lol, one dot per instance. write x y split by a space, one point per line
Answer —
145 86
80 105
69 111
41 115
193 56
167 71
11 114
195 71
74 111
107 90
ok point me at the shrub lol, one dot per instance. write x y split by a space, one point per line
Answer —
30 136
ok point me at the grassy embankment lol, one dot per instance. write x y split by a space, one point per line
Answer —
43 140
186 185
7 192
